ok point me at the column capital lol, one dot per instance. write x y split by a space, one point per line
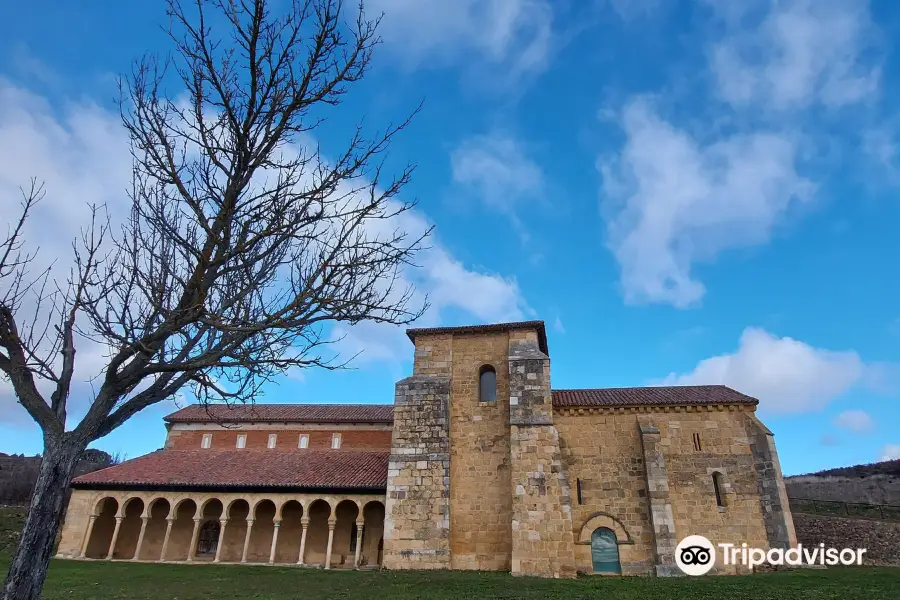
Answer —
331 525
304 522
277 523
223 522
359 524
92 518
249 522
197 519
119 519
170 519
145 518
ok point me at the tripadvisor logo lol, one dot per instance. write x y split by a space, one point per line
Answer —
695 555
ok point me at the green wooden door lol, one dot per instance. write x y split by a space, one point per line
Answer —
605 551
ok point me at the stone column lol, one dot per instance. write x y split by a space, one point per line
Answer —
140 542
112 542
331 525
304 525
274 542
359 534
661 518
165 546
194 536
87 536
219 545
247 540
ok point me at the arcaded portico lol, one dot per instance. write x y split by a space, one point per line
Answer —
330 530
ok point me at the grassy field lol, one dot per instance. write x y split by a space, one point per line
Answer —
72 580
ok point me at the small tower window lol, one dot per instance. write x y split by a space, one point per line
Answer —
487 384
206 442
273 437
719 489
336 441
304 440
242 440
697 445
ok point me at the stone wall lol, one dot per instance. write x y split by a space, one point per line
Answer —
880 539
625 477
417 510
602 452
480 500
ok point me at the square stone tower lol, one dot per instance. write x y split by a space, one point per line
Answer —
476 479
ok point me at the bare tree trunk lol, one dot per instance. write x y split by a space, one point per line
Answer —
29 565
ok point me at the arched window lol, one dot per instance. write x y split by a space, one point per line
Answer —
719 489
605 551
487 384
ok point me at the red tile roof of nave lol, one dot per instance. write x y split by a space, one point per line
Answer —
674 395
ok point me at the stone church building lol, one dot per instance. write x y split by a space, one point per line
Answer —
478 464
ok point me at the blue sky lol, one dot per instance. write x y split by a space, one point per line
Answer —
697 191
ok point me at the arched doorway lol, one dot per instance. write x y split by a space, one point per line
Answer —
605 551
208 540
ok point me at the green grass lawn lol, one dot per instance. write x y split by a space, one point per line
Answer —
72 580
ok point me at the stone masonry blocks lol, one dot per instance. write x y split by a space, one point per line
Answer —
417 509
661 517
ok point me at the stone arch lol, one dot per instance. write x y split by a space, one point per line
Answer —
237 511
182 529
602 519
319 513
126 542
106 510
291 514
343 551
261 533
206 511
158 510
373 532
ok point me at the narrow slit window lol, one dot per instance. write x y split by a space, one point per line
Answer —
336 441
697 445
242 441
487 384
304 441
717 486
206 442
272 439
578 490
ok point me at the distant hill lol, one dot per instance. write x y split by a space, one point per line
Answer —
887 467
875 483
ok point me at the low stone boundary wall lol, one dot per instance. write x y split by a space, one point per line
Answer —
881 539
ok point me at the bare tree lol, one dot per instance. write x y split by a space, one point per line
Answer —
241 246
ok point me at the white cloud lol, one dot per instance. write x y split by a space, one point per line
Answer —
857 421
829 439
786 375
512 35
673 200
794 53
558 326
890 452
497 169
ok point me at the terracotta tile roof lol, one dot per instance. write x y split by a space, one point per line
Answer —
296 469
651 396
491 328
308 413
